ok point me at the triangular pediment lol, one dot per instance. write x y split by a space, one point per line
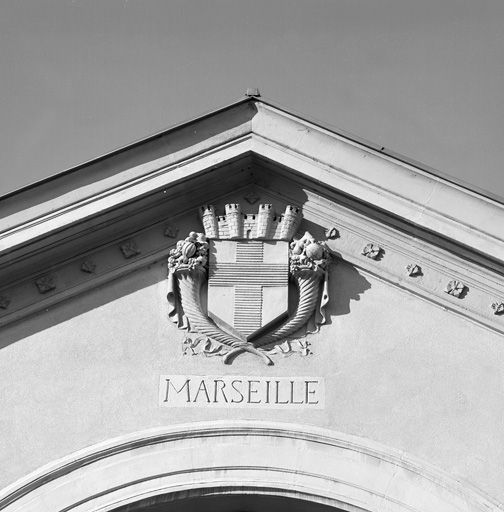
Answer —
131 206
358 293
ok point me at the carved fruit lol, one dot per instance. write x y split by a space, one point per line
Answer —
188 250
297 247
314 251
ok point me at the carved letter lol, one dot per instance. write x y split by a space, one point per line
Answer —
309 391
277 401
216 381
250 391
267 392
185 385
292 401
233 401
202 387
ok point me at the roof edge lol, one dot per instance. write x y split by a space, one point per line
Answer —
383 150
126 147
274 104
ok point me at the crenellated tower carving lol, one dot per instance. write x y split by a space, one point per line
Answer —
234 220
261 225
289 222
264 220
209 220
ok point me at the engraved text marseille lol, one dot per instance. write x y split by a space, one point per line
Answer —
241 391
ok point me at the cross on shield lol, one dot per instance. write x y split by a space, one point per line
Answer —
247 285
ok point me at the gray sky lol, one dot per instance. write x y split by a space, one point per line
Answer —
424 78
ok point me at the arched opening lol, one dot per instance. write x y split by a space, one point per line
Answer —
226 503
224 463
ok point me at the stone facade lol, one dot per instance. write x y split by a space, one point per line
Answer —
117 396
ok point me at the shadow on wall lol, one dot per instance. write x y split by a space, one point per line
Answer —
345 285
85 302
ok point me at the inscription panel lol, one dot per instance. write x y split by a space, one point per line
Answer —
241 391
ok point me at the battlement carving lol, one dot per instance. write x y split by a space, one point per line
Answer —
263 225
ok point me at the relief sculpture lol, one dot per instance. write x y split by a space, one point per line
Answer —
229 286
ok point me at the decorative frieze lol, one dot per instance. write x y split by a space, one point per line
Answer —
498 308
372 251
456 288
88 266
46 283
413 270
129 249
171 231
81 274
251 197
438 265
406 259
332 233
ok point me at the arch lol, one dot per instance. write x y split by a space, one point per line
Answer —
209 458
230 501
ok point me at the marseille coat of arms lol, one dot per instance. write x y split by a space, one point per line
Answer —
230 285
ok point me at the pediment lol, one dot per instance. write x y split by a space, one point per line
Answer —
109 217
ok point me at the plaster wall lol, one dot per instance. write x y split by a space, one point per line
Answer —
398 370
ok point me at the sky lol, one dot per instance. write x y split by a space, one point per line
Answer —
424 78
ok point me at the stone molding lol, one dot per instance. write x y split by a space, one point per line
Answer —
307 149
108 263
118 195
381 180
310 463
467 227
356 231
436 267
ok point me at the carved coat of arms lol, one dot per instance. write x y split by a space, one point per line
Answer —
230 285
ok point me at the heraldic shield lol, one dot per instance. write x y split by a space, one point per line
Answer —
242 265
248 284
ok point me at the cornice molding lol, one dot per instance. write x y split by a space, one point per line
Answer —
388 184
360 193
391 255
340 163
380 250
122 194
